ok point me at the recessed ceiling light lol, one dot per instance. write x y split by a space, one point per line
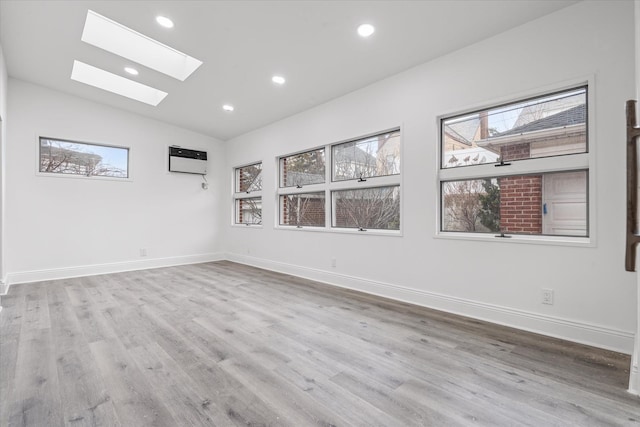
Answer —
105 80
164 21
278 80
227 107
131 71
365 30
113 37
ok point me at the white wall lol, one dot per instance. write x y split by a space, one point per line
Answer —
3 138
500 280
61 226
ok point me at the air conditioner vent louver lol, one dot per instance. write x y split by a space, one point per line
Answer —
187 161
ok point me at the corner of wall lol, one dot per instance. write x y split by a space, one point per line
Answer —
3 121
107 268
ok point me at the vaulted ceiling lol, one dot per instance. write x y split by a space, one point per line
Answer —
313 44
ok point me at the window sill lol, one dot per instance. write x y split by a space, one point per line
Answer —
586 242
82 177
247 225
352 231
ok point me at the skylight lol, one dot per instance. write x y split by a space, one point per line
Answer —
105 80
113 37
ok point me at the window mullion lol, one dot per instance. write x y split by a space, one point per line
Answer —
519 167
248 195
328 202
381 181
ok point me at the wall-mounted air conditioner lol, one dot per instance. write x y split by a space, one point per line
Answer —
187 161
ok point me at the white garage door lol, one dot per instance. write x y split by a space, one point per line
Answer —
564 198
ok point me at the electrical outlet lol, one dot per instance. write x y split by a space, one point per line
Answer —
547 296
333 262
143 251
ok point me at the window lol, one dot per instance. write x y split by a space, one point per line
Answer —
368 208
59 156
302 169
304 209
360 190
366 158
247 194
520 168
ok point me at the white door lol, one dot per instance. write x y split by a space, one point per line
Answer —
564 198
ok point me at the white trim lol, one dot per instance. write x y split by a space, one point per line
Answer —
563 163
518 238
116 267
566 329
4 290
339 230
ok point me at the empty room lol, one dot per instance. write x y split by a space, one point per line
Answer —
319 213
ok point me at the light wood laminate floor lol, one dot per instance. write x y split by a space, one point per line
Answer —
229 345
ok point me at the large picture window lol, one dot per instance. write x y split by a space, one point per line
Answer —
248 194
360 190
58 156
520 168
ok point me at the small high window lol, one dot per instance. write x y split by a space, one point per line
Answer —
58 156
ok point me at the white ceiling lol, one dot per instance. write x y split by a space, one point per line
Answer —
243 43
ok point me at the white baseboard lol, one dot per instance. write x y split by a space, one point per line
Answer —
566 329
116 267
4 288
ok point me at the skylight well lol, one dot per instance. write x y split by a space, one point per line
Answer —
113 37
87 74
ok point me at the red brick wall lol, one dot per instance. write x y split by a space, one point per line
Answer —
515 151
521 204
312 211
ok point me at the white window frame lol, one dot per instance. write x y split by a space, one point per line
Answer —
238 195
39 173
329 186
542 165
